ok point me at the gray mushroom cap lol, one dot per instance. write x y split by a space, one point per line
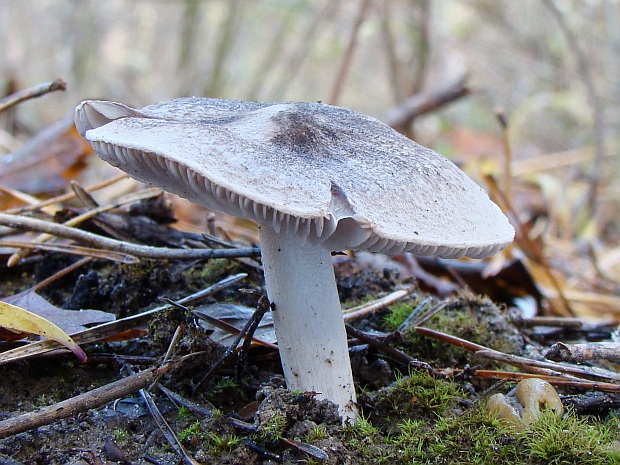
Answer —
329 175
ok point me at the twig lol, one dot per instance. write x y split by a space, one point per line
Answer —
553 321
165 428
96 210
143 251
401 116
251 323
306 41
230 329
81 403
421 40
59 274
161 422
174 342
375 305
555 380
579 353
503 122
262 307
393 352
273 55
387 35
68 249
527 364
190 405
32 92
348 54
227 34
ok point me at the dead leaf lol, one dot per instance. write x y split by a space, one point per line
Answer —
18 319
70 321
47 160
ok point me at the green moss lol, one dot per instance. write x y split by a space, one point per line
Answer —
120 435
317 433
193 430
273 428
226 392
208 272
570 439
469 317
366 440
218 443
419 396
397 314
182 413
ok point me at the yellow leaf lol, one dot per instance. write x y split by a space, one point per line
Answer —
18 319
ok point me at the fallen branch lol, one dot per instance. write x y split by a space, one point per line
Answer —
579 353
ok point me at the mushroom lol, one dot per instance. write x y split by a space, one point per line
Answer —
317 179
522 407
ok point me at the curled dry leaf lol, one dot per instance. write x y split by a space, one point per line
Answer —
18 319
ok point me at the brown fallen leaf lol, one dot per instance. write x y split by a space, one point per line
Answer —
47 160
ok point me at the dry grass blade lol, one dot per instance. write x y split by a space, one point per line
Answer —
73 250
26 198
41 205
529 246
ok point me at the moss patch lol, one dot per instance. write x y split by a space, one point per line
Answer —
469 317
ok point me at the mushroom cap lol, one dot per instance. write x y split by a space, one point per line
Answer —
329 175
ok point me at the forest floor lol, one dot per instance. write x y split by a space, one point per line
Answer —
427 412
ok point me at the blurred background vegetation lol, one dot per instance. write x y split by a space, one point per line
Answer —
551 68
516 55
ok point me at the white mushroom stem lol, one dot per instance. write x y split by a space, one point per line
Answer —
308 319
